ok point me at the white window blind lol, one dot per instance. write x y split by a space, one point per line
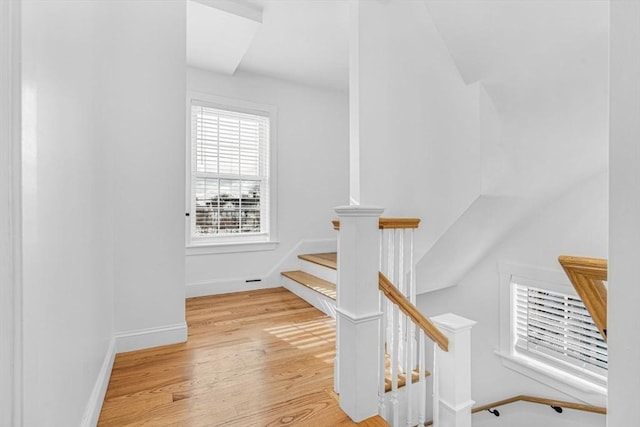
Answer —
229 173
556 328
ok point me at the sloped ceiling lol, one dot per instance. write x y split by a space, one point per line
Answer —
304 41
543 66
520 43
219 32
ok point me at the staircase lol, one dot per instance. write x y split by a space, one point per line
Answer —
399 330
315 281
381 338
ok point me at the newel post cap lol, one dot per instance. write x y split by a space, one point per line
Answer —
359 210
453 323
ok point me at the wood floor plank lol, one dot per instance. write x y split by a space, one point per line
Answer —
259 358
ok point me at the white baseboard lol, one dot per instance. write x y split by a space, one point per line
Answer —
94 405
151 337
224 286
270 280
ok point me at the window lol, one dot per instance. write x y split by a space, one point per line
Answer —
230 182
556 328
547 333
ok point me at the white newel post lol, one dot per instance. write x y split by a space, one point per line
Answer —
452 389
358 310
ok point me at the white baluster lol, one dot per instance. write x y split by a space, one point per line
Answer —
336 361
382 405
422 383
393 364
391 254
436 386
408 372
396 279
412 290
392 273
401 283
382 251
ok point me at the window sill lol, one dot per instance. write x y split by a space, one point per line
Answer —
229 247
573 385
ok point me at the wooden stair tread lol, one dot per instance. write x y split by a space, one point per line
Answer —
322 286
402 379
327 259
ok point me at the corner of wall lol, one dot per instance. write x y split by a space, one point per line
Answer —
94 405
150 337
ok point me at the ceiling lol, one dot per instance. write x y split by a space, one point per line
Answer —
524 44
304 41
519 49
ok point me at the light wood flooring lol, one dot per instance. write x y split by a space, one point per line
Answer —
259 358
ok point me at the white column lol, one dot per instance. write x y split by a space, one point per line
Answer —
624 215
10 216
358 310
452 377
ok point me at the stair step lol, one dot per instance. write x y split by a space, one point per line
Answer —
322 286
402 378
327 259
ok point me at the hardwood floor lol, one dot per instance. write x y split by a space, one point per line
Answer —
259 358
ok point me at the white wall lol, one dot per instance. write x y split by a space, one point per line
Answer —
539 135
418 121
573 224
312 158
68 293
624 294
534 150
144 127
103 192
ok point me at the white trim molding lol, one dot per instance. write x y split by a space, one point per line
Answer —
359 211
569 384
94 405
151 337
225 286
10 216
566 382
358 319
271 279
234 243
229 248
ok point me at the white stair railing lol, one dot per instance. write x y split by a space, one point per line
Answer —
396 253
397 263
407 405
380 332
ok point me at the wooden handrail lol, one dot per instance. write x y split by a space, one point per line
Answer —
412 311
587 276
388 223
543 401
540 400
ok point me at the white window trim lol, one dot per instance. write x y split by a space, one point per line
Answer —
567 382
233 244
